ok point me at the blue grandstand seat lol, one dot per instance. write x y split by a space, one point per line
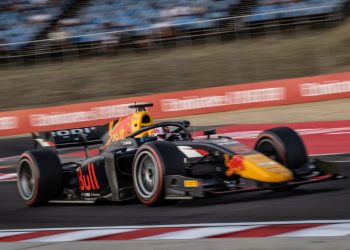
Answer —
142 16
129 14
18 23
265 11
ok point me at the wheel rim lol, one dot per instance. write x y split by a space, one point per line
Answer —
267 148
26 180
147 175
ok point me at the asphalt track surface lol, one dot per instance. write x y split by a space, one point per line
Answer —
322 201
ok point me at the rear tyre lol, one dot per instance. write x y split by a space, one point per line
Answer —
285 146
152 162
39 176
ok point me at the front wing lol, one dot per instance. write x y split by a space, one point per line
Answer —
189 188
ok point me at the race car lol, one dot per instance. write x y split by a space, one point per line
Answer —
161 162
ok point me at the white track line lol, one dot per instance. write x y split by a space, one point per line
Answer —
7 176
327 230
9 158
76 236
9 180
197 233
6 234
7 167
187 225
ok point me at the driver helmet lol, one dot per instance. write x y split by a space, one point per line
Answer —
161 132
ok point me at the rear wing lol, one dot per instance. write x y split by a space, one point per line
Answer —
66 138
70 137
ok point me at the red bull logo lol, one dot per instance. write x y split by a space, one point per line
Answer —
88 182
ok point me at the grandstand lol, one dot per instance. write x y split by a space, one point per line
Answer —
85 51
267 10
22 20
142 17
81 22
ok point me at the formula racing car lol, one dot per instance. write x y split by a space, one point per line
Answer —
160 162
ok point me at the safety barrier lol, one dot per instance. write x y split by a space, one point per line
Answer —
181 103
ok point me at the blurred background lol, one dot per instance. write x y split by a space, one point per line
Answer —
59 51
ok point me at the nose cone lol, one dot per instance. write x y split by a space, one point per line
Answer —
261 168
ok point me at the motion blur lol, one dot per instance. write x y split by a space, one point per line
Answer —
52 52
228 118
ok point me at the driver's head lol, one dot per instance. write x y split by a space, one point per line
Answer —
161 132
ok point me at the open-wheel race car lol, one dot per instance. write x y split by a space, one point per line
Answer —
157 162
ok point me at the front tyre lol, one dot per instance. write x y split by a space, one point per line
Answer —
151 163
285 146
39 176
148 177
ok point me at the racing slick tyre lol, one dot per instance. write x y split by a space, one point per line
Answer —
152 162
285 146
39 176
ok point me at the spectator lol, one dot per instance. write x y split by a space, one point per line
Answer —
22 20
3 47
39 18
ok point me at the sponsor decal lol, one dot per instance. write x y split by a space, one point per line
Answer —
10 122
319 89
258 95
127 142
95 113
241 149
181 103
266 163
230 98
191 183
108 112
119 130
66 133
88 181
190 152
234 164
91 195
45 143
39 120
225 142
